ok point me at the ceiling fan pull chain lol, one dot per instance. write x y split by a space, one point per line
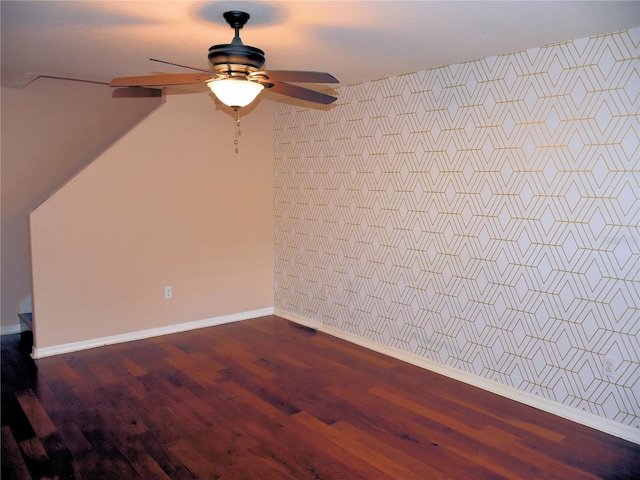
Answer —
235 141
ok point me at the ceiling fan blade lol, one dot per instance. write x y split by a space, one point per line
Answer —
181 66
136 92
161 80
298 76
301 93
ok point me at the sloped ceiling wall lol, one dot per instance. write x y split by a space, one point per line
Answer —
50 130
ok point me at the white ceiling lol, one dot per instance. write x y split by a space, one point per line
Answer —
356 41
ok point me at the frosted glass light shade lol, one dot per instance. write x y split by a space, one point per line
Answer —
235 92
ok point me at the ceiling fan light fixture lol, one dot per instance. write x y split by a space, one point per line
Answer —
235 93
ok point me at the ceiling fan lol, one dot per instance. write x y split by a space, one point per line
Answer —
236 77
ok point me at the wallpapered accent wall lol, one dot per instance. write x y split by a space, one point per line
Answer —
484 215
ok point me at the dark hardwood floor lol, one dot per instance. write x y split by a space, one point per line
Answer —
267 399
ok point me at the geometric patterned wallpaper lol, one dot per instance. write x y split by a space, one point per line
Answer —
484 215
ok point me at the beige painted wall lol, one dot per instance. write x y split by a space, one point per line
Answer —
171 203
50 130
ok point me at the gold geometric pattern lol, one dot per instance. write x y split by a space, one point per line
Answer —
484 215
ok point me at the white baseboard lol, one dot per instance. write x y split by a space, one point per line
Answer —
10 329
584 418
153 332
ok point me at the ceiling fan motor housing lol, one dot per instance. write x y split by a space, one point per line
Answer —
229 54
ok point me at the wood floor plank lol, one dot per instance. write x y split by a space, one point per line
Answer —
147 468
245 359
132 367
73 438
38 417
393 427
103 373
294 362
353 444
344 350
156 449
198 367
553 469
34 453
502 415
56 410
357 468
269 399
106 463
13 464
438 416
332 460
200 463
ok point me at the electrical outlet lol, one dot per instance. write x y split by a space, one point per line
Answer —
609 365
168 293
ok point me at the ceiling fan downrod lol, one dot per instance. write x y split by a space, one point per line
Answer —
237 20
